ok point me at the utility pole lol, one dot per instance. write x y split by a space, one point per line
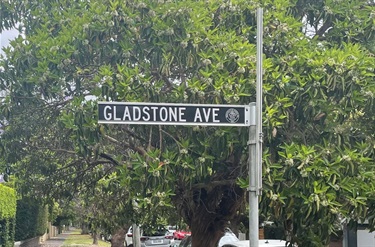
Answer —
255 141
136 236
253 190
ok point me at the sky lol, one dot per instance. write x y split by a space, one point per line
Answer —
6 36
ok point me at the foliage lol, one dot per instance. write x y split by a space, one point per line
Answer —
7 215
31 218
7 232
97 206
7 202
318 107
320 156
273 232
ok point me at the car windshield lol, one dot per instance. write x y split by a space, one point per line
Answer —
172 228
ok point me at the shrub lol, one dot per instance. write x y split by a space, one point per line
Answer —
31 219
7 215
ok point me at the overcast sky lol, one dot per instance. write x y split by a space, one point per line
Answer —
6 36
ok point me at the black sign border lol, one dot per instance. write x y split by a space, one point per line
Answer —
245 107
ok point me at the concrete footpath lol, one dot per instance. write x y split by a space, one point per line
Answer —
56 241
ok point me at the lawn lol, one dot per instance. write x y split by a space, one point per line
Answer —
76 239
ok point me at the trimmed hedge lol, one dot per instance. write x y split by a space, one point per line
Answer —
7 216
8 202
31 219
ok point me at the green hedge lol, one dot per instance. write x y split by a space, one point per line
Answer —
7 215
7 202
31 218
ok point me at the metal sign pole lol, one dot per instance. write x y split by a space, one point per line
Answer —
255 142
259 92
253 190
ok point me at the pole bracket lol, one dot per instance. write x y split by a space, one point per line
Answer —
261 137
252 189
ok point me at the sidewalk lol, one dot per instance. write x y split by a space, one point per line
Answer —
56 241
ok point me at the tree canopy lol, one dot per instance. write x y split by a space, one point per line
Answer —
318 107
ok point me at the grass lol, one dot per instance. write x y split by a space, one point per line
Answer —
76 239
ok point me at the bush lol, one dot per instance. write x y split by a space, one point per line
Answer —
7 202
7 216
31 219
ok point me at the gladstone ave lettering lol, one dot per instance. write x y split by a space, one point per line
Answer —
144 113
172 114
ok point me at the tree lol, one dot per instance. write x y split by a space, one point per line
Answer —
318 111
319 164
106 210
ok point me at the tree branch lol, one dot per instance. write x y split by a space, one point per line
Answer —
214 184
139 150
323 29
58 150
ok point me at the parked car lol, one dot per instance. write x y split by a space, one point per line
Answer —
169 235
171 229
159 238
229 237
129 236
230 240
106 237
181 234
262 243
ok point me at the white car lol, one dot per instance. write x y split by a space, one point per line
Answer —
229 237
171 229
262 243
129 237
163 238
230 240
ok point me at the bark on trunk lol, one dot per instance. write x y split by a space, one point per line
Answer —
95 238
118 238
209 209
208 239
235 223
85 229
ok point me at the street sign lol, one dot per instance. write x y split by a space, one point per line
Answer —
173 114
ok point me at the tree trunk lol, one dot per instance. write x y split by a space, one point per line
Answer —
234 224
85 229
210 238
209 209
118 238
95 238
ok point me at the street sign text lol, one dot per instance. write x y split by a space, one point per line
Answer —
173 114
